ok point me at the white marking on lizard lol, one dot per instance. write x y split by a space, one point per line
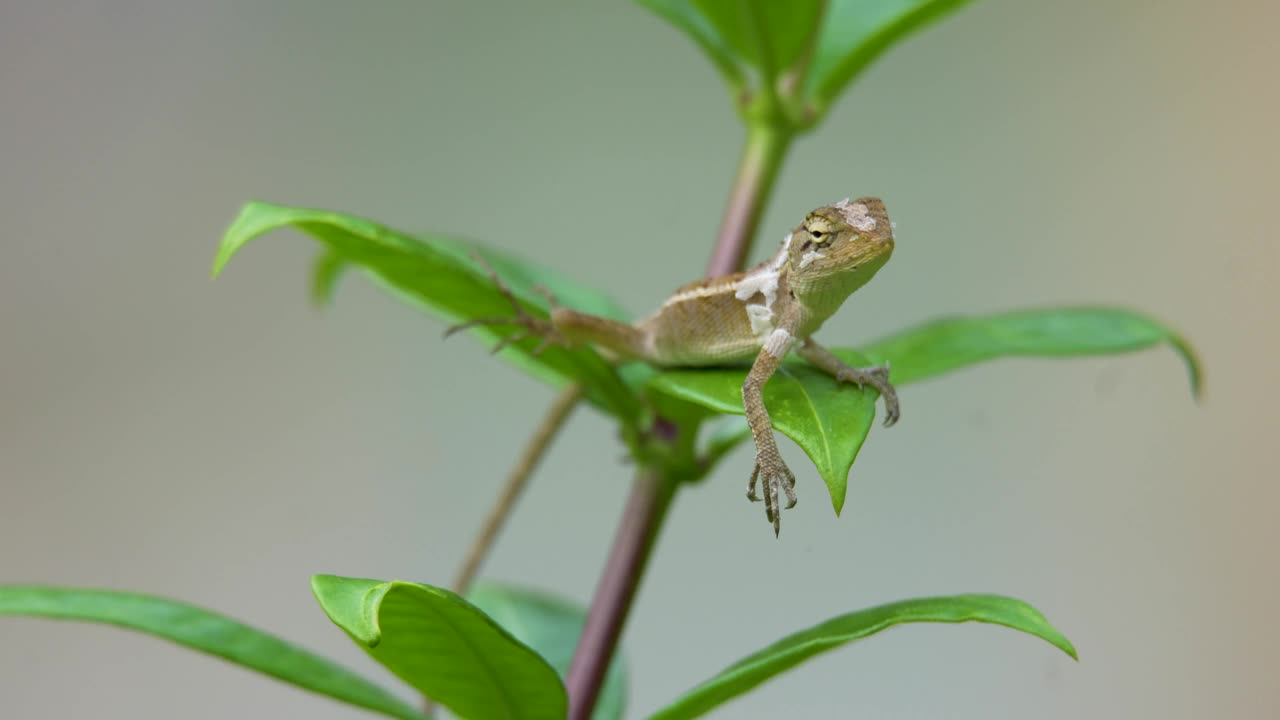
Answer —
761 319
763 282
779 343
857 215
810 257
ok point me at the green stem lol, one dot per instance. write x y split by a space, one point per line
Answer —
761 158
653 488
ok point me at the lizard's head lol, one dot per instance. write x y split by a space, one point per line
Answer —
848 237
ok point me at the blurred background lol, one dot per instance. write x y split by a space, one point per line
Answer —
221 441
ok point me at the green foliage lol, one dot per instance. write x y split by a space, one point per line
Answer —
827 421
502 653
444 647
552 627
792 650
439 274
951 343
786 62
830 422
207 632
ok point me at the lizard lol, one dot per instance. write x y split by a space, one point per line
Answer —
761 315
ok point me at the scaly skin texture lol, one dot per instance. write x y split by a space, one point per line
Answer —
762 313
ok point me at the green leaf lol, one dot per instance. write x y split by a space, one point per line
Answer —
326 271
686 17
723 438
951 343
828 421
550 626
856 32
830 43
438 274
207 632
444 647
760 39
792 650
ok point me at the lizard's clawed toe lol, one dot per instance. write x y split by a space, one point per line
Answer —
891 412
773 476
878 378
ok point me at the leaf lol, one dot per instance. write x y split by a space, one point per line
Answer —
828 421
952 343
856 32
723 438
444 647
550 626
207 632
438 274
792 650
743 38
830 43
687 18
326 271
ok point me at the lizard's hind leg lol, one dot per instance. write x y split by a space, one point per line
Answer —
528 325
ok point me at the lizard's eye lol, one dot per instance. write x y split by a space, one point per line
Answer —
816 235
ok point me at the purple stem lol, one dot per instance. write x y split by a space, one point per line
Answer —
646 508
652 491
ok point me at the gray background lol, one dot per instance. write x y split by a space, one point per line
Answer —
219 442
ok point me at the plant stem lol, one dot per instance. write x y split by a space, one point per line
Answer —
761 159
652 490
646 508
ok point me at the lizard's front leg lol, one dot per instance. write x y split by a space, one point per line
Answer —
877 377
769 468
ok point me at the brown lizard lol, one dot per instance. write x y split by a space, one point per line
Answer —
763 313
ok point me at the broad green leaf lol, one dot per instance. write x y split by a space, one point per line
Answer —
207 632
745 38
689 19
767 35
828 421
951 343
444 647
790 651
438 273
764 40
856 32
550 626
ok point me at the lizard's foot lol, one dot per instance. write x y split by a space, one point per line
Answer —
773 475
878 378
529 325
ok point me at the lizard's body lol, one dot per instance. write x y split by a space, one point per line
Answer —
762 313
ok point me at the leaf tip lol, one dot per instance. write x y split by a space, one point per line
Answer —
241 231
352 604
325 273
1070 649
1195 370
838 491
